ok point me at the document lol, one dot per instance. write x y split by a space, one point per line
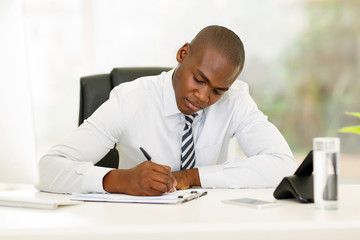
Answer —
29 199
177 197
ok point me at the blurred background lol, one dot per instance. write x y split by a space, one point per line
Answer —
302 58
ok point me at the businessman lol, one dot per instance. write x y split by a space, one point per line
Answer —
184 119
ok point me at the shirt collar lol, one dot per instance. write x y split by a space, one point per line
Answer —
169 99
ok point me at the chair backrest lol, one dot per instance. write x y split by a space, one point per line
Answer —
95 90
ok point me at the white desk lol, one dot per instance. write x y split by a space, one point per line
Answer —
204 218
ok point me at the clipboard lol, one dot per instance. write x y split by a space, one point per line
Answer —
178 197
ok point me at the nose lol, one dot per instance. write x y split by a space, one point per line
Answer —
203 94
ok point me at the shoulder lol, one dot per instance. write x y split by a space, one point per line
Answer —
238 91
140 88
238 88
139 85
139 93
236 101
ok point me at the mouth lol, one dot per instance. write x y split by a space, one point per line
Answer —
193 106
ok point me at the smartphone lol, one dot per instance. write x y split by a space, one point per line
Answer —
251 202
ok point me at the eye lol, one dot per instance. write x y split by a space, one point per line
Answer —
197 80
216 92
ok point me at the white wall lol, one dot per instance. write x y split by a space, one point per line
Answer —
72 38
17 141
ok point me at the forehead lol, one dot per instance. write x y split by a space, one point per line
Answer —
215 66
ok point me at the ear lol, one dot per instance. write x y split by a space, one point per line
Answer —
183 52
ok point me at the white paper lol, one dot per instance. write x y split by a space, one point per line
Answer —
167 198
24 199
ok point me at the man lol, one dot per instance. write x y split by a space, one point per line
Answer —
184 120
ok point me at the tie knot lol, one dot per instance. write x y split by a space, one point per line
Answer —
190 118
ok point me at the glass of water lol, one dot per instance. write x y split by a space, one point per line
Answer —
326 151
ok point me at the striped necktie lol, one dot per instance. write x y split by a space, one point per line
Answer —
187 146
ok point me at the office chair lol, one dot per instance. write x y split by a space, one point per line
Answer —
95 90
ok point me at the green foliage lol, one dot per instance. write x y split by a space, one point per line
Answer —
316 78
351 129
323 72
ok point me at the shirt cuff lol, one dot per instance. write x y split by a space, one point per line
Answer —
93 179
212 176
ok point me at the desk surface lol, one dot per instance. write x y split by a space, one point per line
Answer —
203 218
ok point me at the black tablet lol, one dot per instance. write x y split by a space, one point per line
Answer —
306 167
299 185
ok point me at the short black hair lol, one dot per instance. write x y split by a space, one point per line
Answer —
222 39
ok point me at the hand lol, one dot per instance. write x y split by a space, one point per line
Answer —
145 179
187 178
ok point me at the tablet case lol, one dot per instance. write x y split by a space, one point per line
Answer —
300 185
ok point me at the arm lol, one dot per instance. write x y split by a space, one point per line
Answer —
264 167
69 166
269 157
64 170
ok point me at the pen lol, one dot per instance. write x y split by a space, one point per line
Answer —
145 154
149 159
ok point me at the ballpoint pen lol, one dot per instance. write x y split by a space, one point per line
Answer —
149 159
145 154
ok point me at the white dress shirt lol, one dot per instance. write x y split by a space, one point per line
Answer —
143 113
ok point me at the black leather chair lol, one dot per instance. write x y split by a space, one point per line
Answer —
95 90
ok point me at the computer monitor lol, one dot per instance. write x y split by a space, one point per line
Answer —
17 139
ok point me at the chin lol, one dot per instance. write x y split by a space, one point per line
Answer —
187 111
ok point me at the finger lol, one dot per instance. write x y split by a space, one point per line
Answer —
149 188
160 187
152 192
157 179
172 177
161 168
172 183
173 180
164 182
166 170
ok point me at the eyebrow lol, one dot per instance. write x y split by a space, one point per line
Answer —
208 81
